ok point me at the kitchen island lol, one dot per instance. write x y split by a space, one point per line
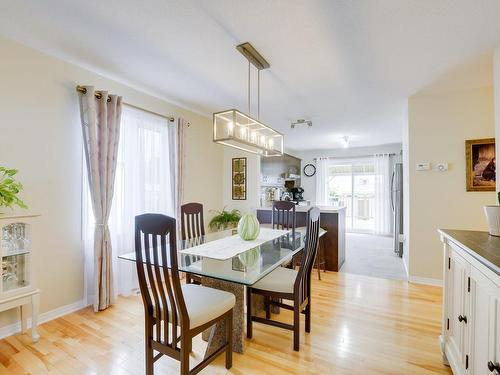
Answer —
332 220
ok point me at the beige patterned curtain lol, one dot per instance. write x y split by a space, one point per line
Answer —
100 117
176 139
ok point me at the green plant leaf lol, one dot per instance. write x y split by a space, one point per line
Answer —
9 188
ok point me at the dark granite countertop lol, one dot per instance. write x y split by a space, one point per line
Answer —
480 245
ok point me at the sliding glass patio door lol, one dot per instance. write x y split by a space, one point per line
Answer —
351 182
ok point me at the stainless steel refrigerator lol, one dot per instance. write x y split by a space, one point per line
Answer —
397 207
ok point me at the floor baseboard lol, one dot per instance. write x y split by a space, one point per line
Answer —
426 281
15 328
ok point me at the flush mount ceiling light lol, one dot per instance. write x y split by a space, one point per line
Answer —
301 121
239 130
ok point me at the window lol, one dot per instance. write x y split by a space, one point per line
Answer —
142 184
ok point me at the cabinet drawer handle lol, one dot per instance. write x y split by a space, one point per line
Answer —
492 367
462 319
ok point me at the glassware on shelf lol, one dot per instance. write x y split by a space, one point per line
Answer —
14 272
14 256
14 239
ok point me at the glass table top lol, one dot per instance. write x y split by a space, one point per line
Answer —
245 268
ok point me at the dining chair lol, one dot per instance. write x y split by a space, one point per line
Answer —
283 215
289 284
192 227
174 314
320 260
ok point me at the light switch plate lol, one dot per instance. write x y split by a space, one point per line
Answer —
423 166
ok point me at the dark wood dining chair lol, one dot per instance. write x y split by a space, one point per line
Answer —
320 261
289 284
192 227
168 305
283 215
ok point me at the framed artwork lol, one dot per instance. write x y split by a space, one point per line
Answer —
480 164
239 178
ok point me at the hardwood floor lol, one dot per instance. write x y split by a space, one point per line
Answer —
359 325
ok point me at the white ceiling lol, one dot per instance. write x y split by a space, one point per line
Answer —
346 65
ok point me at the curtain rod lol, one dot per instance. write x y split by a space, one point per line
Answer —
98 95
357 156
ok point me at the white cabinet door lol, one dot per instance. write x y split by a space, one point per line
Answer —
494 340
457 311
483 301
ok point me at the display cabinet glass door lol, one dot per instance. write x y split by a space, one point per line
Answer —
15 251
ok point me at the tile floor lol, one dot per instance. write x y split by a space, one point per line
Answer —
372 255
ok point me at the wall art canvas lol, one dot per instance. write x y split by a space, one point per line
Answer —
480 164
239 178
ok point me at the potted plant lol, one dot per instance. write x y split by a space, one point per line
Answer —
493 217
225 220
9 189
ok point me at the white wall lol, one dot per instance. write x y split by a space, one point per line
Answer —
440 120
253 181
309 183
406 191
496 85
40 135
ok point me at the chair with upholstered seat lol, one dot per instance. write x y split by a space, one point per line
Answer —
289 284
174 314
192 227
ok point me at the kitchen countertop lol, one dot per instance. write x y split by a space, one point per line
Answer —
480 245
323 209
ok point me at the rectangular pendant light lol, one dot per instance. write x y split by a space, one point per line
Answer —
236 129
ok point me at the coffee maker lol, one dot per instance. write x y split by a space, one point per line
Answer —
297 193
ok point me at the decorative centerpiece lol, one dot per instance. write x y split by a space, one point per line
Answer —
224 220
493 217
9 189
249 227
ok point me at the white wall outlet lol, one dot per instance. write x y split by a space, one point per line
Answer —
442 167
423 166
401 238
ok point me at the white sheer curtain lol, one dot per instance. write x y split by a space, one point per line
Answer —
322 193
143 184
383 212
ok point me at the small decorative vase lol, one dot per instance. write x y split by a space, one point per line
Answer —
493 218
248 227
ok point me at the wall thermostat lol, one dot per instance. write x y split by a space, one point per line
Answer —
442 167
423 166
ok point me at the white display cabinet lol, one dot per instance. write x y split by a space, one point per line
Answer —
16 247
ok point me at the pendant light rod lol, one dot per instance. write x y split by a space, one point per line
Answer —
257 60
258 94
248 93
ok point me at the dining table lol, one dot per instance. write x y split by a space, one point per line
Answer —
216 258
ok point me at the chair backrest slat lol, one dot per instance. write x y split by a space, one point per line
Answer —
303 282
283 215
160 288
192 224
